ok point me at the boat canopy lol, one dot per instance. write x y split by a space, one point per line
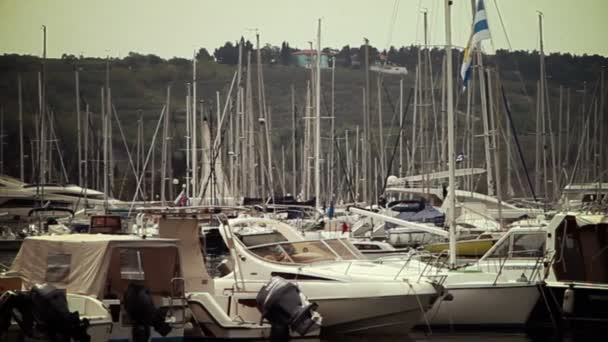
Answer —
95 264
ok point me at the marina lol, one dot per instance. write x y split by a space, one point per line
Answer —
449 190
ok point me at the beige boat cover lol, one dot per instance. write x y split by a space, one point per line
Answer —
78 263
186 230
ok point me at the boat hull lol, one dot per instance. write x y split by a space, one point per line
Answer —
484 306
352 308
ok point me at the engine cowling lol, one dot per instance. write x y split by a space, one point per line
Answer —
143 313
286 308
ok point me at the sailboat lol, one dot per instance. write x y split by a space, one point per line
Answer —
473 292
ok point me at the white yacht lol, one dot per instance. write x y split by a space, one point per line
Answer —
18 199
275 246
354 295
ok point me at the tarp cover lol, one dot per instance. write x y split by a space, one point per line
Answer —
186 230
77 263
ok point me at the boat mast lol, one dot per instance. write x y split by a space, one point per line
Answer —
541 100
318 125
293 142
331 162
20 99
401 128
188 139
78 126
86 154
106 137
163 162
451 162
367 131
193 128
1 140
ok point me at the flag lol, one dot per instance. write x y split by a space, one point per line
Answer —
481 31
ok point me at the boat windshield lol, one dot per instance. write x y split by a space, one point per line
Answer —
520 245
305 252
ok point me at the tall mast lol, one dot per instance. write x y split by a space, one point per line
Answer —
189 130
367 130
194 150
541 105
78 126
2 140
451 161
163 162
104 129
400 128
318 124
380 130
357 150
601 127
108 162
331 162
86 154
293 143
20 99
42 128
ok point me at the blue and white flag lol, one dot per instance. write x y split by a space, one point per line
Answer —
481 31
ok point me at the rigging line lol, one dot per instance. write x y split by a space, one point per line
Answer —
583 136
517 144
405 111
391 26
348 177
502 24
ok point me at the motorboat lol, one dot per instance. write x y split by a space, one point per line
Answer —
332 273
123 285
465 287
216 312
18 199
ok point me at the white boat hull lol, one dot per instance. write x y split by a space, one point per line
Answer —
485 306
353 308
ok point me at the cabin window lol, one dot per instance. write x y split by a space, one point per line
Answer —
58 267
366 247
131 264
528 245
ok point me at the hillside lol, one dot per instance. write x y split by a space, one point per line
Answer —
139 86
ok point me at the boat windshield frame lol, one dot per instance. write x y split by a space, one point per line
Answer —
299 252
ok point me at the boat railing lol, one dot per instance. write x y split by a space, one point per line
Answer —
535 272
435 265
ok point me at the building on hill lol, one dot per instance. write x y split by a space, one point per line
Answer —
306 58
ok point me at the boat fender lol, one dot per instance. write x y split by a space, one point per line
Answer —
568 302
143 313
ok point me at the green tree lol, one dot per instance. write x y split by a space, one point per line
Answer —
286 53
227 54
203 55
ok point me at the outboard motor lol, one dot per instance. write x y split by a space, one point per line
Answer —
143 314
286 308
43 311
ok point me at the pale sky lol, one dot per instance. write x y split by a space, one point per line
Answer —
177 27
